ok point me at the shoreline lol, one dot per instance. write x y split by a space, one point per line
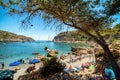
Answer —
72 41
23 67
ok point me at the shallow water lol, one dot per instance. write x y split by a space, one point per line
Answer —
13 51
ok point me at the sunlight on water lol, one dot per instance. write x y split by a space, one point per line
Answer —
14 51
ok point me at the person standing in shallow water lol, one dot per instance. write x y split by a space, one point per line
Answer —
3 65
47 49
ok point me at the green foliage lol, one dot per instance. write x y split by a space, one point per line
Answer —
83 15
79 13
51 67
70 36
78 36
113 7
111 31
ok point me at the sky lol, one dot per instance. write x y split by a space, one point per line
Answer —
38 31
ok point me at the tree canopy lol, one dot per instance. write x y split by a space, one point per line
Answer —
84 15
113 7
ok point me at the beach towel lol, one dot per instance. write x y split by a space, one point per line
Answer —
91 67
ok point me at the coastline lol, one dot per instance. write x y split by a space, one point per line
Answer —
23 67
71 41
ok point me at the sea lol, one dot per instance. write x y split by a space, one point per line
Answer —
13 51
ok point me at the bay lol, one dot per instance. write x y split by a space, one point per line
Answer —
13 51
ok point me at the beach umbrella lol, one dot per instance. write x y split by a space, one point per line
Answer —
34 61
16 63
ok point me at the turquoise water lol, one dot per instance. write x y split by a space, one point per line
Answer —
13 51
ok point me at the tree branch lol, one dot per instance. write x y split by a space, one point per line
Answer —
86 32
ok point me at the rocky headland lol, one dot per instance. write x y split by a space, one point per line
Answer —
12 37
110 35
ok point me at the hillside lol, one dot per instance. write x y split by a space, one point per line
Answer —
109 34
11 37
69 36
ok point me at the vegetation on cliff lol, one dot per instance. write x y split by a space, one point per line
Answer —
8 36
110 34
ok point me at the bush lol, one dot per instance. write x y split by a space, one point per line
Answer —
51 67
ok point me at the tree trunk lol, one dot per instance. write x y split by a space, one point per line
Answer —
113 63
105 47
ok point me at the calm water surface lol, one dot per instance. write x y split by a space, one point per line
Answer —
13 51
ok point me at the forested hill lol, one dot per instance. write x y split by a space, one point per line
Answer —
11 37
110 33
69 36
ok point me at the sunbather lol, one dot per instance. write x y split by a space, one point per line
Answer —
31 68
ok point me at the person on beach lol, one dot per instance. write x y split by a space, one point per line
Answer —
30 69
3 65
107 73
71 68
47 49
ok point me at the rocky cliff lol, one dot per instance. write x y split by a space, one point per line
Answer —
110 34
11 37
69 36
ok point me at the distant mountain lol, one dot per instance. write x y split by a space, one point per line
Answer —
12 37
109 34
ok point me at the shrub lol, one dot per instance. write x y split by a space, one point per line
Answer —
51 67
